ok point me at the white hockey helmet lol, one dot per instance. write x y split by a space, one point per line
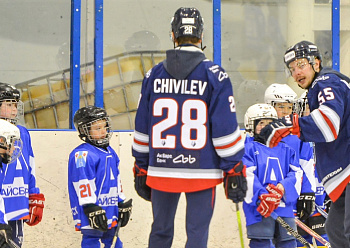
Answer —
10 142
257 112
300 104
279 93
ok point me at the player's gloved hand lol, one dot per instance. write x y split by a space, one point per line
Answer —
306 205
273 133
5 234
272 189
267 204
235 183
36 207
97 217
141 187
124 209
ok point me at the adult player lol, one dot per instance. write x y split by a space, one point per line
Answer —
186 136
274 182
328 126
10 150
282 98
94 185
22 198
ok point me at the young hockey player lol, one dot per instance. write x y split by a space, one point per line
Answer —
274 181
94 185
327 126
282 98
186 136
316 221
10 150
22 198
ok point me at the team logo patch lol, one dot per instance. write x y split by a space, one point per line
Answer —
80 158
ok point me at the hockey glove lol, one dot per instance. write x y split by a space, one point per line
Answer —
124 209
272 189
268 203
306 205
273 133
5 234
36 207
141 187
235 183
97 217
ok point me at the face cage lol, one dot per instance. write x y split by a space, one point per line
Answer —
85 128
13 150
20 111
300 107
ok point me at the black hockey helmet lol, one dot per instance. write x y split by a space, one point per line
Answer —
303 49
9 92
85 117
187 22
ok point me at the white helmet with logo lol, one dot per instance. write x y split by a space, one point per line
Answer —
279 93
257 112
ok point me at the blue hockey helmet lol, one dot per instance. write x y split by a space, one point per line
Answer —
303 49
187 22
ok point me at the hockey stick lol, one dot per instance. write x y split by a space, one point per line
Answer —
12 244
312 233
321 211
239 225
290 230
115 238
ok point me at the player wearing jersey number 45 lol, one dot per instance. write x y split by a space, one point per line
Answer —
327 126
186 136
95 191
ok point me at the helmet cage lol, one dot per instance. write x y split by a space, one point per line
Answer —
300 105
12 144
84 131
9 112
258 112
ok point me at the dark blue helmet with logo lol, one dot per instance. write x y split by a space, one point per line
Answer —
187 22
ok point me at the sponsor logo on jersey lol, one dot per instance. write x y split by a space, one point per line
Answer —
80 158
108 201
183 159
14 191
162 157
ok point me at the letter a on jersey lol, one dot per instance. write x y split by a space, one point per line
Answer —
273 171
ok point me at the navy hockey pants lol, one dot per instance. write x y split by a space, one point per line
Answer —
199 211
93 238
338 221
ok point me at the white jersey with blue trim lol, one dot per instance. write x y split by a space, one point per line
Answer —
93 178
328 126
270 165
19 180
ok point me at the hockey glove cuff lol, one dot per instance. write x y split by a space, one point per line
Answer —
36 207
235 183
306 205
140 177
97 217
124 209
273 133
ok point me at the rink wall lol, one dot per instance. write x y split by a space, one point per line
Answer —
51 150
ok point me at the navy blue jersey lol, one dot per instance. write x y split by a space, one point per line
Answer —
270 165
93 178
328 126
19 180
186 132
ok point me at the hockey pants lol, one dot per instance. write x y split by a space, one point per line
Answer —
199 211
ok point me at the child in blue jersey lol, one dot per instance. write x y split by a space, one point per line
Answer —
97 202
274 182
10 150
282 98
22 198
316 221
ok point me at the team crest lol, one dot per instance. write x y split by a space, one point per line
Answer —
80 158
